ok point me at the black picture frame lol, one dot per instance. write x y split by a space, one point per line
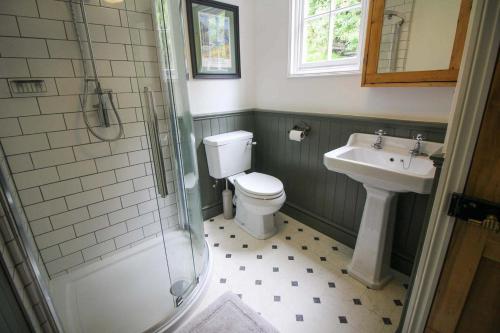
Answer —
192 43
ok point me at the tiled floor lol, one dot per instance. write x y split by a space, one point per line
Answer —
298 280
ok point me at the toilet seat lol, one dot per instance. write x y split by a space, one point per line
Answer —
259 186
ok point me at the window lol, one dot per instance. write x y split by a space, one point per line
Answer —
326 36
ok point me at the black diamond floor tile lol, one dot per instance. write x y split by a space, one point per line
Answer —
387 321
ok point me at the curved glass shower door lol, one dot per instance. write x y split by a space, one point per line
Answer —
118 233
182 230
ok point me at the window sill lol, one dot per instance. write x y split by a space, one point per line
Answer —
345 71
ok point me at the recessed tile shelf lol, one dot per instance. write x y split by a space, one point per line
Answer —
27 86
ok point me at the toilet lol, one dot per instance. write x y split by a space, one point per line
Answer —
257 196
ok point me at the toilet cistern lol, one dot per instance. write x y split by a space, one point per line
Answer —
383 176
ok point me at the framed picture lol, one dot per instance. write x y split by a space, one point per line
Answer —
214 39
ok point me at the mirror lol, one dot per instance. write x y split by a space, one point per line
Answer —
411 29
415 42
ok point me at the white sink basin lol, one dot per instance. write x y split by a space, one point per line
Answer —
383 172
390 168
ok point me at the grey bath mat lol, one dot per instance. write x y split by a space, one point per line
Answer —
228 314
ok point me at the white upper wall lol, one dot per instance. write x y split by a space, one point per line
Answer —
265 83
330 94
211 96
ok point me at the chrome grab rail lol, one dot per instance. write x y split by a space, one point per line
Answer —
154 135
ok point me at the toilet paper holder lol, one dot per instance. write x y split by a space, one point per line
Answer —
303 127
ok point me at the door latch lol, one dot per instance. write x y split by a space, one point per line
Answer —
474 210
490 222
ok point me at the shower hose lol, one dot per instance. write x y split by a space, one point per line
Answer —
87 80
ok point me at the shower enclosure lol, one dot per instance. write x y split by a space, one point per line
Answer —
125 250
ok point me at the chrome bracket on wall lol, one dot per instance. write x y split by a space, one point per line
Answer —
302 127
154 139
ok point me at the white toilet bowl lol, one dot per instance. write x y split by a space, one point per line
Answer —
258 197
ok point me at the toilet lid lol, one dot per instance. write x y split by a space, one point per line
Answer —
259 184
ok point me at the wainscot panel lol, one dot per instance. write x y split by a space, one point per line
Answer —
327 201
207 125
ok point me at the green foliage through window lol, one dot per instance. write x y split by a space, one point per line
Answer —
316 31
346 34
333 32
314 7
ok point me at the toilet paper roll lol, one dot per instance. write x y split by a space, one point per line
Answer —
295 135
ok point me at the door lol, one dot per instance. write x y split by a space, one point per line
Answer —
468 294
175 169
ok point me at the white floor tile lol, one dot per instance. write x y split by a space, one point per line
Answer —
297 280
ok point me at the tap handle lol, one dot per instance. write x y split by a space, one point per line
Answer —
419 137
380 132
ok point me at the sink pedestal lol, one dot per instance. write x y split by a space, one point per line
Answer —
370 263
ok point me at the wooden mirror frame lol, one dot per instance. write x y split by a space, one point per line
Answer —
431 78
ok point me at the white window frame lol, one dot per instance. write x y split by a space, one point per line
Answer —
297 68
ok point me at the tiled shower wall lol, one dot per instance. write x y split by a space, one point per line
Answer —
405 9
84 198
15 260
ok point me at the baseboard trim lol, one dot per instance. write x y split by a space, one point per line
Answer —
321 224
400 262
212 210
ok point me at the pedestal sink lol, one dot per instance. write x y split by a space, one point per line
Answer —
383 172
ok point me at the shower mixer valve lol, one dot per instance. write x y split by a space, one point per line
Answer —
102 110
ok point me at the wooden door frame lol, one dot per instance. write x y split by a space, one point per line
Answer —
467 110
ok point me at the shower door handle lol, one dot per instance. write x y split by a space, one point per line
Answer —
154 135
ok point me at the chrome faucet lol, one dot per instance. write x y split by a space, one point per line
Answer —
418 146
378 142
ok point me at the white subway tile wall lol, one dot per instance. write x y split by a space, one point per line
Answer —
84 198
404 8
12 256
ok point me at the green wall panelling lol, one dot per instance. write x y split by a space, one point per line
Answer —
327 201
